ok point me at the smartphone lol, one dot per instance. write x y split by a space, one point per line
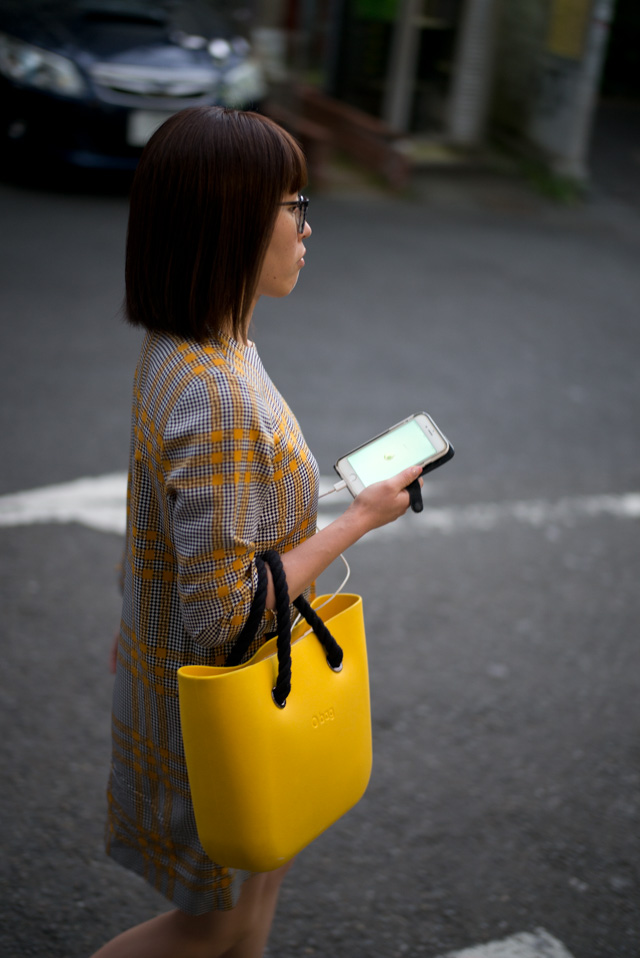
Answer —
415 440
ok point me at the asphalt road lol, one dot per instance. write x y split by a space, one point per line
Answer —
502 623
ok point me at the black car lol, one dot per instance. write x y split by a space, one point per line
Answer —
87 81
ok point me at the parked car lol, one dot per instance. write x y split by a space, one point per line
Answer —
87 81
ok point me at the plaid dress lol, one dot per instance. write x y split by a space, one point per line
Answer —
219 472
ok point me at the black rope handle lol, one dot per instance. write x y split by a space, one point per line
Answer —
331 647
282 688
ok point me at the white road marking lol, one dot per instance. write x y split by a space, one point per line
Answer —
483 517
538 944
99 503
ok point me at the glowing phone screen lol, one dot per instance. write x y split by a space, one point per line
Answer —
390 454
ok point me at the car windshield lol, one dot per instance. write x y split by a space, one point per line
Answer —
121 10
149 10
210 17
191 13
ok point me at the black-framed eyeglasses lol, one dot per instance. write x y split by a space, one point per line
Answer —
301 206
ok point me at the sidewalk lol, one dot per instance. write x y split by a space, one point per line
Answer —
492 182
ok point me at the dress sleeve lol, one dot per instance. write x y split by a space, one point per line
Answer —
218 466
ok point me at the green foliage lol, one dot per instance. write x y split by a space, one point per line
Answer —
565 190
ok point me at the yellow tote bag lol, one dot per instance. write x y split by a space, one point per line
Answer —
279 748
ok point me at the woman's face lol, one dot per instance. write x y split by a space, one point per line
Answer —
285 254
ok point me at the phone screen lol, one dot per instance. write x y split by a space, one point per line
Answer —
390 454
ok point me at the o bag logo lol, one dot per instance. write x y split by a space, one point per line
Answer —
322 718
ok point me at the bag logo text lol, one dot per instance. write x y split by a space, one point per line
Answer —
322 718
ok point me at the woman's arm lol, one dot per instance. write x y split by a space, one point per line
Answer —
375 506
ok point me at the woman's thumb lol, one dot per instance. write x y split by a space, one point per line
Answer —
408 475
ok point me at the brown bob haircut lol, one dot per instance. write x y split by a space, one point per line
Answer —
204 201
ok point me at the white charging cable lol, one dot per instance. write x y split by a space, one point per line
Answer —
298 617
339 486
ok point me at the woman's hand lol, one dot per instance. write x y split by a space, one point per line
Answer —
386 501
376 505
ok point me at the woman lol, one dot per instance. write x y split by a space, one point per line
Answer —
219 473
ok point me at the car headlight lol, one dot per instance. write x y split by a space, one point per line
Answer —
31 66
243 84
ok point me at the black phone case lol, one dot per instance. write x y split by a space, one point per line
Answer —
415 492
430 465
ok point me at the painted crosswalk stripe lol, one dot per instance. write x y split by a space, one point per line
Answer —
537 944
99 503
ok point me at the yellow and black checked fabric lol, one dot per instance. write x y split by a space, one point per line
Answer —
219 472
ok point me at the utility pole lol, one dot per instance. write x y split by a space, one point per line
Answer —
572 68
472 73
403 63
